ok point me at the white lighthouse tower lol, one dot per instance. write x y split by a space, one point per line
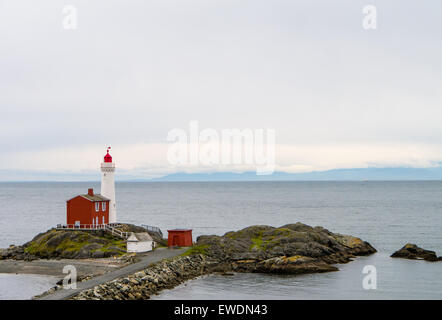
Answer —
108 185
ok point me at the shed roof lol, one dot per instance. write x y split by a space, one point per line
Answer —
140 236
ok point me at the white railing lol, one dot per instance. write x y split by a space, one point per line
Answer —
81 226
115 231
111 228
153 229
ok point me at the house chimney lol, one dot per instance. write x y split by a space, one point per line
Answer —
90 191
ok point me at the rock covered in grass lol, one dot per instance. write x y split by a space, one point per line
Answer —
292 248
16 253
413 252
75 244
69 244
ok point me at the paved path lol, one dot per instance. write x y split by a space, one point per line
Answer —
148 258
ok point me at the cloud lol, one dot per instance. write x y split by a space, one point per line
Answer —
337 95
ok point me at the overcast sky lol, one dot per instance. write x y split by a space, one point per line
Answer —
337 95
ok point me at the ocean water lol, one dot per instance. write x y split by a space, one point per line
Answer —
24 286
386 214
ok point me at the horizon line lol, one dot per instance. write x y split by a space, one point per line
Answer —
167 181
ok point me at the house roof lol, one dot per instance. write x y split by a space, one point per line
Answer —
94 198
140 236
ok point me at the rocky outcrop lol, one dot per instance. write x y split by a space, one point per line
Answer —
65 244
75 244
292 248
16 253
412 251
284 265
141 285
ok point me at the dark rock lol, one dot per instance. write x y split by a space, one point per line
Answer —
68 254
87 251
113 251
98 254
102 241
294 265
412 251
19 256
58 238
292 248
15 252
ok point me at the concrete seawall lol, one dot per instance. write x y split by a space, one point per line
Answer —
141 285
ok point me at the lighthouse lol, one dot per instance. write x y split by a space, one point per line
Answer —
108 185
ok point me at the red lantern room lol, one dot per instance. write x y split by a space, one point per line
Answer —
108 157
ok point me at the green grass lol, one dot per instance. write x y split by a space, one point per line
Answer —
257 243
40 244
120 244
197 249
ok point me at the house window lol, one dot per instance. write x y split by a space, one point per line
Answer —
103 206
97 206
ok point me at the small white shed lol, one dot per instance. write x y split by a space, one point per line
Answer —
140 242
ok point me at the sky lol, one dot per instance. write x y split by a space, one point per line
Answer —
336 95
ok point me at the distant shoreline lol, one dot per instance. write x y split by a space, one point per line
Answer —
347 174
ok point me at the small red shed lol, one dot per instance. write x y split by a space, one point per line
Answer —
87 210
180 238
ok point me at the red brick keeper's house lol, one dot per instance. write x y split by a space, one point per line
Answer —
87 210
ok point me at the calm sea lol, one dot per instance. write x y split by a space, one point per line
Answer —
387 214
